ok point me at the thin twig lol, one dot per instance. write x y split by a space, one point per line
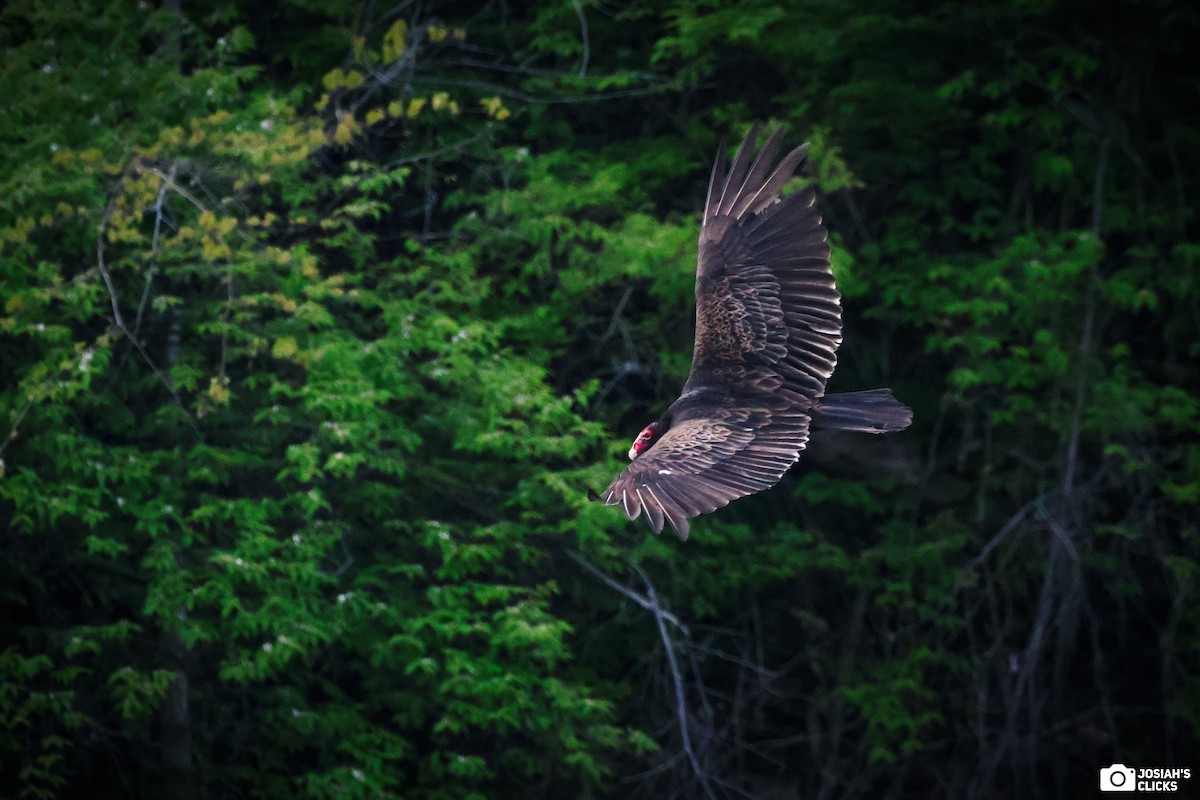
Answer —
526 69
167 181
1004 531
348 561
158 207
12 433
657 769
119 321
615 322
175 187
681 709
112 291
1085 338
758 669
137 320
584 33
620 588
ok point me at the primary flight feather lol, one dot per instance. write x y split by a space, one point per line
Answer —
768 325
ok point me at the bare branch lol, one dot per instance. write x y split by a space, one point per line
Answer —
587 48
1085 338
137 320
681 709
119 321
620 588
112 291
649 601
1004 531
169 183
615 322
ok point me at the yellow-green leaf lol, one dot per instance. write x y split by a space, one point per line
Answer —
394 42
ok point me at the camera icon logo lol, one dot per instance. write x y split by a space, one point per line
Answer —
1118 778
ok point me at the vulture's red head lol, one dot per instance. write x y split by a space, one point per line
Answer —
649 435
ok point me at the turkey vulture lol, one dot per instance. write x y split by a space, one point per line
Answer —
768 325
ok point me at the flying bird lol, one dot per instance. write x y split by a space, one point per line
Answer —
768 326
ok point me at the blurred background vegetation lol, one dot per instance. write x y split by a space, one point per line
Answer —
321 319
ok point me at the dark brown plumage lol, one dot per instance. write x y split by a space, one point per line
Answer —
768 325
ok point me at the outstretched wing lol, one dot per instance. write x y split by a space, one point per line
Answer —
702 464
768 324
768 315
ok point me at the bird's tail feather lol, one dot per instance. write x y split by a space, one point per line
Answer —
872 411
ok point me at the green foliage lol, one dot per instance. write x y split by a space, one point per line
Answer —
320 321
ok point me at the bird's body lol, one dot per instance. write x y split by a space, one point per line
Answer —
768 325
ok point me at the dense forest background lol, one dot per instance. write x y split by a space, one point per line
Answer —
320 321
